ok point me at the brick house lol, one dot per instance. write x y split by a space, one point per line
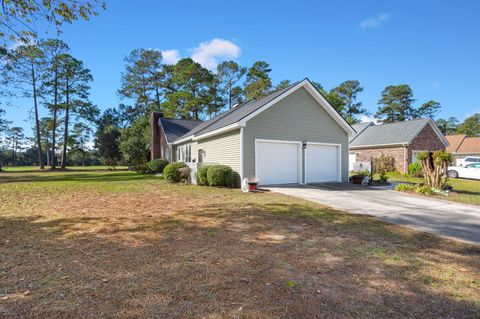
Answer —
462 146
402 140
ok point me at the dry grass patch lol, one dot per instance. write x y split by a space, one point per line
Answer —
121 245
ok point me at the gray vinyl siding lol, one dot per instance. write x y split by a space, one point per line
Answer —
222 149
298 117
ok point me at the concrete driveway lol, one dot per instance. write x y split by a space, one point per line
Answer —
444 218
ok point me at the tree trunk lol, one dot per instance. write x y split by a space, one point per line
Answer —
55 95
37 121
47 152
65 130
14 154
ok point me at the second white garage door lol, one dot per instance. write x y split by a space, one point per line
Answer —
322 163
278 162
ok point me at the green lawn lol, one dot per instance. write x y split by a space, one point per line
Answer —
76 168
116 244
464 191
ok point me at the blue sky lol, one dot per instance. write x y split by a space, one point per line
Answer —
431 45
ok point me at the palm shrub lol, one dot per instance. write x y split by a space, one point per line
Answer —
172 172
434 167
220 175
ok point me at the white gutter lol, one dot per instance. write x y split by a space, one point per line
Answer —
224 129
380 145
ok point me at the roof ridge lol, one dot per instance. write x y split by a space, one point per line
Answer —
400 122
169 119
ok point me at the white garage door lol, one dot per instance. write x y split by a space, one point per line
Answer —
322 163
278 162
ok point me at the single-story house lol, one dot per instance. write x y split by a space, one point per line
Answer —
402 140
462 146
290 136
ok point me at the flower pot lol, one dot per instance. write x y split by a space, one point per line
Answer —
357 179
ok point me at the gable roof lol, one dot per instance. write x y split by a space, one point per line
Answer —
470 145
455 141
399 133
462 144
359 128
175 128
239 115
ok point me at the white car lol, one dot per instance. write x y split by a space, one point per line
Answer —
467 171
468 160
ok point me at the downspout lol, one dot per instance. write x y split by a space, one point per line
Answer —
241 154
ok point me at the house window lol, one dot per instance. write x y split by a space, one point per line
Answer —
415 156
188 153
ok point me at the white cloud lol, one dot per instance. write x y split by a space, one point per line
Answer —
210 53
170 56
366 118
374 22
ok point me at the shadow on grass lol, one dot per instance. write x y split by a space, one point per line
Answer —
227 260
114 176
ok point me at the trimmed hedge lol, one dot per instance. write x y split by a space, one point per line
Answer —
157 166
220 175
202 175
142 169
172 172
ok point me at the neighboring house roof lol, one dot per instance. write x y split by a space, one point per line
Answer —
462 144
175 128
359 128
455 141
470 145
237 116
400 133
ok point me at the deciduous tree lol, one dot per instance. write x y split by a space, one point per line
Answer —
107 137
471 126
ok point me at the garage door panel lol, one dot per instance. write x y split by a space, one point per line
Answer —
322 163
277 162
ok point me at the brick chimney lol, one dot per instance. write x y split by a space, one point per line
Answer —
155 129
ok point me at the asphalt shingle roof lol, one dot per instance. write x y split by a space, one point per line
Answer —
174 128
455 141
391 133
235 114
359 128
